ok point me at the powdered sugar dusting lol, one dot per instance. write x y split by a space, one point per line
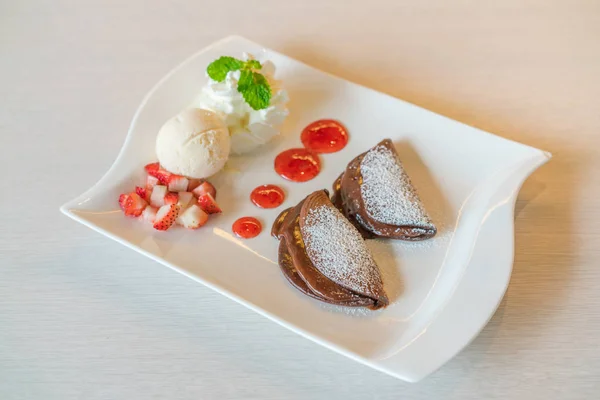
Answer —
338 251
387 192
360 312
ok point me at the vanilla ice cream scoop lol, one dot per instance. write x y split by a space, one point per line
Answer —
194 144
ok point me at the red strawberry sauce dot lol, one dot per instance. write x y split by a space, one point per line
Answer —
297 165
267 196
246 227
324 136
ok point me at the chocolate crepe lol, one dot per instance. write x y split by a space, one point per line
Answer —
322 255
377 196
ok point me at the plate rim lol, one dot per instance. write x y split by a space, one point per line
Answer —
391 365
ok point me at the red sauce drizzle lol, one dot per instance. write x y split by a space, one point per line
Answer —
298 165
267 196
325 136
246 227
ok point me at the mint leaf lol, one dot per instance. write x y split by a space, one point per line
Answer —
253 64
253 86
218 69
245 80
255 89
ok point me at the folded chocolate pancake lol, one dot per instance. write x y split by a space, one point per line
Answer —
335 267
377 196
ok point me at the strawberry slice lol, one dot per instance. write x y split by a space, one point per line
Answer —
134 205
151 181
193 184
140 191
149 214
208 204
171 198
165 217
157 198
192 218
156 171
163 176
177 183
203 188
185 198
152 168
144 193
123 201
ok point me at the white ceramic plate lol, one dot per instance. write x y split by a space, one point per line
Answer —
443 291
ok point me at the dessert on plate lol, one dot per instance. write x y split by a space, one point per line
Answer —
325 257
320 250
240 108
377 196
169 199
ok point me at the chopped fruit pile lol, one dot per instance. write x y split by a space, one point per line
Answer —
169 199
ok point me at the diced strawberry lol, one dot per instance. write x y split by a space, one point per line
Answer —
205 187
140 191
134 205
163 176
171 198
123 201
193 217
144 193
177 183
151 181
157 198
185 198
166 216
193 184
152 168
149 214
156 171
208 204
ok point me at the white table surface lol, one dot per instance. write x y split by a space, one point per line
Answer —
82 317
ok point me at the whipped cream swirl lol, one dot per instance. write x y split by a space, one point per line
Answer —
248 128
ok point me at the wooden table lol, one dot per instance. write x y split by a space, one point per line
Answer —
82 317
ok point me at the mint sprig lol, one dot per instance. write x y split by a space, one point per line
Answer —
219 68
253 85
